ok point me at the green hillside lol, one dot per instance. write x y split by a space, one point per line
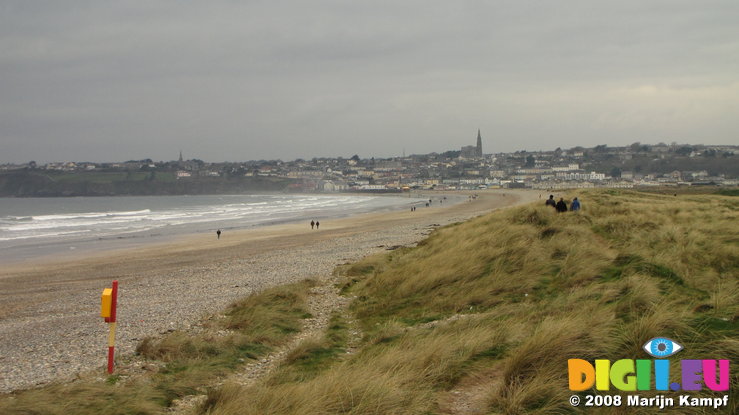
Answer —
491 309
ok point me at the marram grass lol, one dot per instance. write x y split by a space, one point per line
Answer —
505 299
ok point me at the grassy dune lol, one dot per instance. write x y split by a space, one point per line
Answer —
487 311
498 304
178 364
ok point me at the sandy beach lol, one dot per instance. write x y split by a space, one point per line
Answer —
49 311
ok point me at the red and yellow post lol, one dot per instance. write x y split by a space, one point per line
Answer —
109 302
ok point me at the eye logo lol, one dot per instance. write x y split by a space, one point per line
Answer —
661 347
641 374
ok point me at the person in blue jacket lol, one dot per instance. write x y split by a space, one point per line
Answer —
575 205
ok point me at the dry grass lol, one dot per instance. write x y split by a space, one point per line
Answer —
536 288
397 372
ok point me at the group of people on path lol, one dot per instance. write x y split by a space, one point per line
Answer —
561 206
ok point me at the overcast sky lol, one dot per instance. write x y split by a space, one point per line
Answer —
240 80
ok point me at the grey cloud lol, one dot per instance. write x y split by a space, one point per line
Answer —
228 80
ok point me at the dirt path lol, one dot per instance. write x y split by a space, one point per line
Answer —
323 301
469 396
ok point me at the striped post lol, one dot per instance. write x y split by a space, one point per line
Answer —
110 317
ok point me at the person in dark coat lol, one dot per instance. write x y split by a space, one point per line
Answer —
312 223
551 202
318 224
561 206
218 233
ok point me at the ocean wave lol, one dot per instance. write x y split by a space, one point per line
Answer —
61 224
91 215
43 235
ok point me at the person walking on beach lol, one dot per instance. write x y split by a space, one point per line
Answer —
218 234
575 206
312 224
561 206
551 202
318 224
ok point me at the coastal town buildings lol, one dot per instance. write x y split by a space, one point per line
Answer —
601 166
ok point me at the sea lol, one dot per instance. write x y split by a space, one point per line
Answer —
31 228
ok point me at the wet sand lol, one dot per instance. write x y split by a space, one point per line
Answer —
49 311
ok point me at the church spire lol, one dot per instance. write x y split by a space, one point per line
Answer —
479 144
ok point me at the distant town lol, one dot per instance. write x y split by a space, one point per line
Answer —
468 168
